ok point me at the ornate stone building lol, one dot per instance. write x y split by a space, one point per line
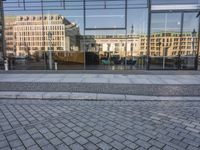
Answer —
169 43
36 34
2 51
113 44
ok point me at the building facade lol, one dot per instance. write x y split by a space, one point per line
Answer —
2 51
10 48
161 43
170 44
26 35
113 44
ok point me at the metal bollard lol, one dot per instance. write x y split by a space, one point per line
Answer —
6 65
56 65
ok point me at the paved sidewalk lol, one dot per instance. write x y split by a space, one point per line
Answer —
96 84
85 125
99 112
101 78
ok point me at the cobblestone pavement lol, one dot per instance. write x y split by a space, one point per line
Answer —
77 125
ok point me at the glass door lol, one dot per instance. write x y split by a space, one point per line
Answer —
189 42
165 40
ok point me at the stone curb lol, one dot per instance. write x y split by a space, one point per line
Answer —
90 96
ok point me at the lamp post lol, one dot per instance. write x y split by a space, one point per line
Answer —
165 51
132 31
194 33
159 44
50 50
15 49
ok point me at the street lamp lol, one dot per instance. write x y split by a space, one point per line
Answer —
132 45
15 49
50 49
194 33
159 44
109 51
132 31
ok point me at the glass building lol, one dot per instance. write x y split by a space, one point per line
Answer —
100 34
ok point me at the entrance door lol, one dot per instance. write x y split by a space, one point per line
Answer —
165 40
174 41
189 42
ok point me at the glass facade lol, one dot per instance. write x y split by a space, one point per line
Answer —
100 34
1 36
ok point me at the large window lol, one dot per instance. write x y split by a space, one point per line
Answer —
100 34
173 2
165 40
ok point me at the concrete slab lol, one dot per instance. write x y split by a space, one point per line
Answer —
189 81
113 97
102 78
12 95
95 80
120 81
166 98
53 76
30 95
28 80
171 81
121 76
71 80
90 76
141 97
156 80
56 95
192 98
141 81
131 76
106 76
34 75
74 75
11 79
83 96
13 75
48 80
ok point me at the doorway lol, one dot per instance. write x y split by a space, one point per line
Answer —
174 41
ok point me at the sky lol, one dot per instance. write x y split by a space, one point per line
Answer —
109 18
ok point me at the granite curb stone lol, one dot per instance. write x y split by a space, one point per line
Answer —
90 96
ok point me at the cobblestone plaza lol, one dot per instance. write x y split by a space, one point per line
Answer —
77 125
99 75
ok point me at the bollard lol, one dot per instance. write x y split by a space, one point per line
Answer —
56 65
6 65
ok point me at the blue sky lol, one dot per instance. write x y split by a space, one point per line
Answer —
113 18
110 18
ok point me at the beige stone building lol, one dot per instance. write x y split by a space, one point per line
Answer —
170 44
113 44
137 45
1 32
9 35
26 35
33 34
